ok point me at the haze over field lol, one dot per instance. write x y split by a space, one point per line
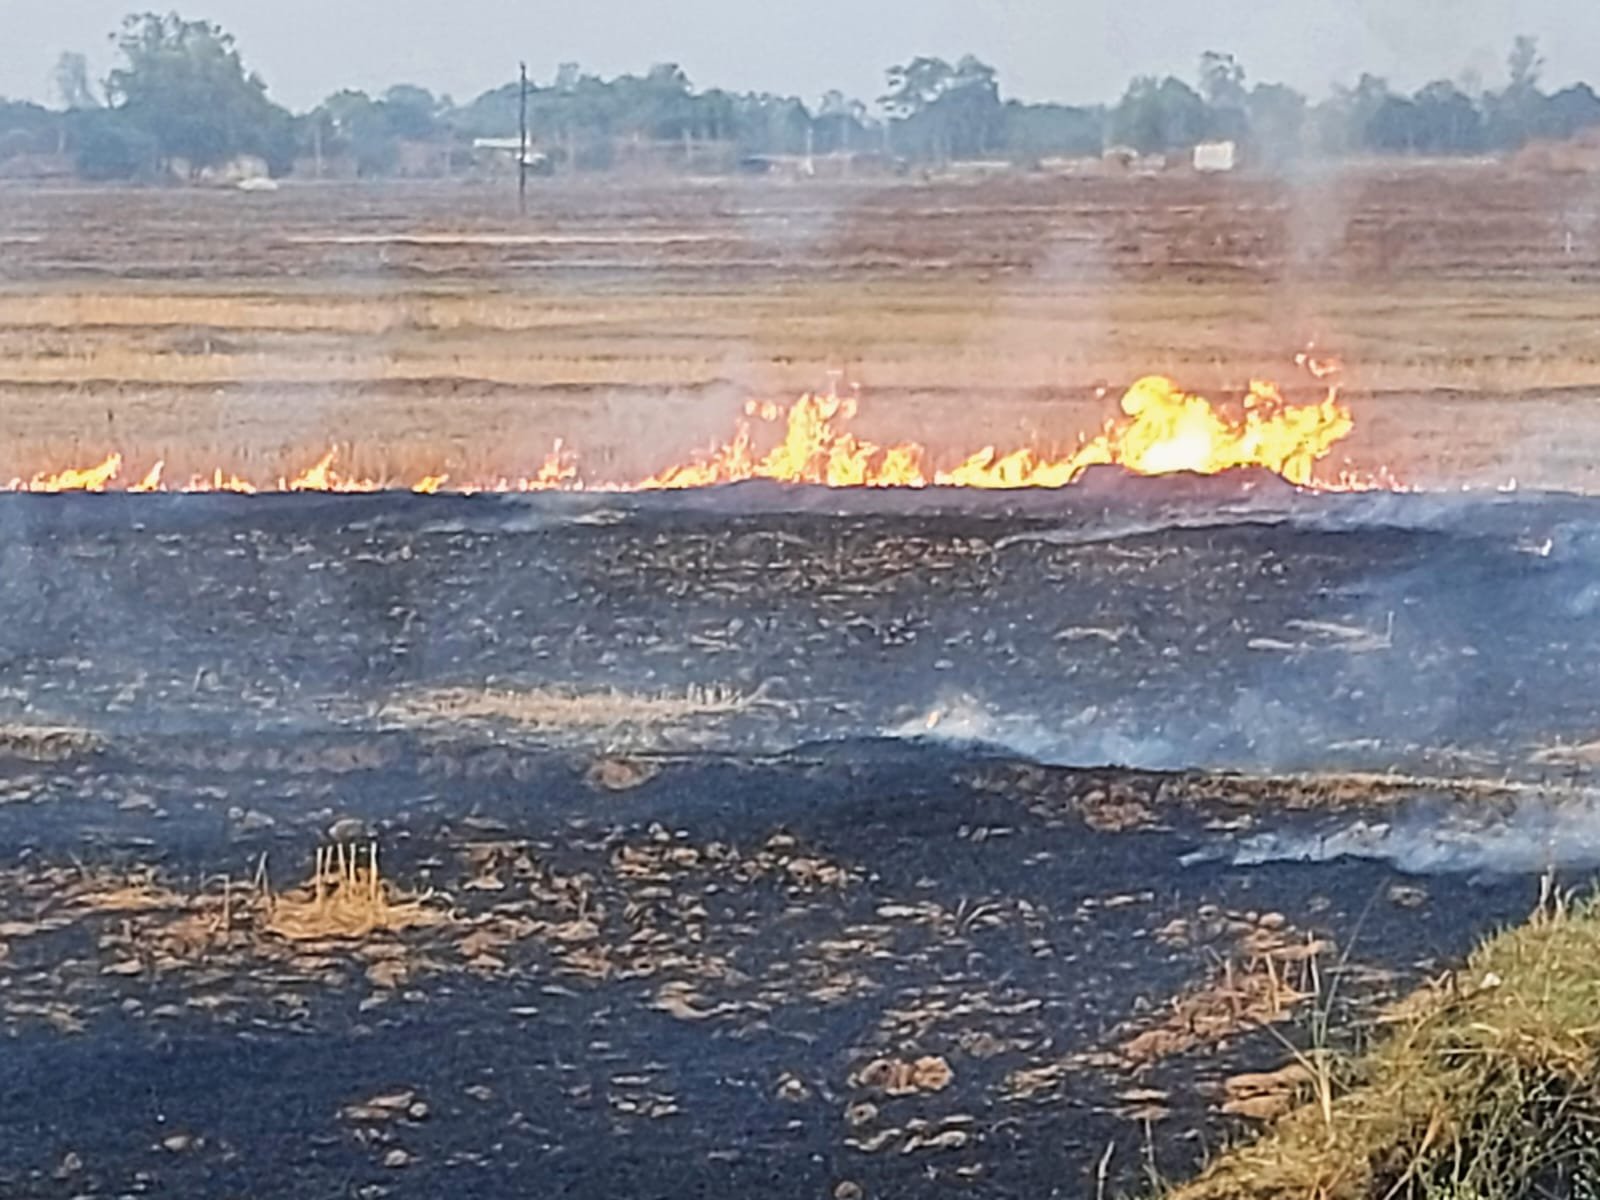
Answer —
1043 49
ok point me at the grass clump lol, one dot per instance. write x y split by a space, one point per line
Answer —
347 898
1484 1086
609 713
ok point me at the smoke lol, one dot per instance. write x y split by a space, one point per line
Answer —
964 720
1427 647
1526 831
1437 835
1258 732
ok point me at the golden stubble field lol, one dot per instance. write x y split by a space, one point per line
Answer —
428 329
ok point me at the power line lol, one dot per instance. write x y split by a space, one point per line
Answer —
522 146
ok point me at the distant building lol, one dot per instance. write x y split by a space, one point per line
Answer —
1121 157
1126 159
840 165
503 151
244 171
1216 157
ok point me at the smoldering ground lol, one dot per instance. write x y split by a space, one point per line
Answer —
1433 627
692 908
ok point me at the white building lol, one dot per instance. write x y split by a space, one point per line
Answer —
1215 157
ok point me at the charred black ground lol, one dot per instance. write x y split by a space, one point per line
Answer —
780 947
1143 625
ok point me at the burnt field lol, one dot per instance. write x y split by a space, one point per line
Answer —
1179 622
761 839
718 841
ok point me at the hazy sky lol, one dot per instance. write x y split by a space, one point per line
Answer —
1074 50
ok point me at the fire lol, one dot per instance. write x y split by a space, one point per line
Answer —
815 449
218 482
1161 430
152 480
86 479
322 476
1164 430
1169 430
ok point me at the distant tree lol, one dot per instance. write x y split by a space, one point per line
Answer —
770 124
73 87
355 126
914 87
1393 129
185 83
181 91
1342 124
971 109
583 120
654 105
493 114
1571 111
1447 121
26 116
1524 65
412 112
1036 131
106 146
835 103
1278 123
1222 85
942 112
1222 80
1159 116
1517 114
27 128
840 124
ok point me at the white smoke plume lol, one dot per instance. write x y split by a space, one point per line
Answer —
1536 832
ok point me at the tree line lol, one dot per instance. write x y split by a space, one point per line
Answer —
181 99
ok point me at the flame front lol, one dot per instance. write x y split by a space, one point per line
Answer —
84 479
1169 430
1162 430
815 449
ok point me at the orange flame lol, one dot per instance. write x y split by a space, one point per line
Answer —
1161 430
84 479
1166 430
814 449
152 479
218 482
321 477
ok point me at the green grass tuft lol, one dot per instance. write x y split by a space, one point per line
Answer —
1485 1086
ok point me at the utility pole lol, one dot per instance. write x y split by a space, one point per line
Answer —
522 146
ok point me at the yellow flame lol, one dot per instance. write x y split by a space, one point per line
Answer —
217 481
73 479
1161 430
152 479
317 478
